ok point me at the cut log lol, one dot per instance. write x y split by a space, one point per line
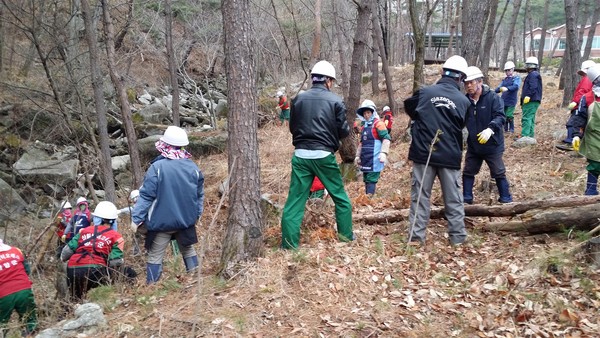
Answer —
481 210
551 220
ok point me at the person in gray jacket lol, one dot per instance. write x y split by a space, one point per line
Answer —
170 203
438 116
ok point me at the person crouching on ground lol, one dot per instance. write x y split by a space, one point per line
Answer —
371 153
15 289
170 203
485 123
91 252
586 134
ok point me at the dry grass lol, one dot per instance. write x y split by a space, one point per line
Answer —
376 286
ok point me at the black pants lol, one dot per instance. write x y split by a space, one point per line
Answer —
82 279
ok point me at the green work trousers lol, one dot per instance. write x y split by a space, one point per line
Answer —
303 173
509 112
528 119
24 303
593 167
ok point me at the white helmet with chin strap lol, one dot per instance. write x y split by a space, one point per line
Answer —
455 66
509 65
323 68
175 136
593 73
473 73
106 210
585 65
531 62
366 105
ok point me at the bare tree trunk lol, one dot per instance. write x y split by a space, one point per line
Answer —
2 40
316 45
418 26
374 55
472 30
571 58
590 38
98 87
385 64
244 235
172 62
489 37
119 38
543 33
511 32
343 68
134 153
348 148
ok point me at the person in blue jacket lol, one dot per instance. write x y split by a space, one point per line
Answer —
509 87
485 123
170 203
437 115
371 153
531 96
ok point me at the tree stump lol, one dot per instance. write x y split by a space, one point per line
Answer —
593 251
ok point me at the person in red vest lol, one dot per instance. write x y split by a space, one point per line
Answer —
15 289
284 105
63 219
92 251
388 118
82 218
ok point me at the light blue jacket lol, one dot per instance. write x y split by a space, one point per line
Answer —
171 196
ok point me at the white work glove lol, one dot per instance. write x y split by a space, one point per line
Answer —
576 143
503 89
572 106
134 226
357 161
382 157
485 135
63 238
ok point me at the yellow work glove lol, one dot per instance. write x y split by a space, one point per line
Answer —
572 105
485 135
576 143
503 89
526 100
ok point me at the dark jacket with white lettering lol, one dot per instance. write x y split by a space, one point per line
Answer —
488 112
439 107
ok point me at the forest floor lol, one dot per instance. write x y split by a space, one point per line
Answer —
497 285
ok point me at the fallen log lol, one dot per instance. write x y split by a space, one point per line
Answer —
551 220
482 210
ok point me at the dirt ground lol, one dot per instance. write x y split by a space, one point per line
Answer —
498 285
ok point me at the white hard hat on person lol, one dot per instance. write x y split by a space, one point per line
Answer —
175 136
366 105
279 93
323 68
585 65
134 194
473 73
455 66
531 62
4 247
509 65
593 73
81 200
386 108
67 205
106 210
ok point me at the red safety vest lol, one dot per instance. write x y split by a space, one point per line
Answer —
283 103
94 245
13 277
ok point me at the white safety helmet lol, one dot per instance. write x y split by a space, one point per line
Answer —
386 108
279 93
509 65
366 105
106 210
455 66
67 205
473 73
531 62
134 194
585 65
175 136
81 200
593 73
323 68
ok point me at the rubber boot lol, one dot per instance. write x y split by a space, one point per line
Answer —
468 182
503 190
370 188
153 272
191 263
592 184
511 125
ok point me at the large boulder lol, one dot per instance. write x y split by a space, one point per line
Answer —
11 204
154 113
39 167
90 318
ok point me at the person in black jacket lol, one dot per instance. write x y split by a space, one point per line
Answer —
317 123
485 122
438 117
